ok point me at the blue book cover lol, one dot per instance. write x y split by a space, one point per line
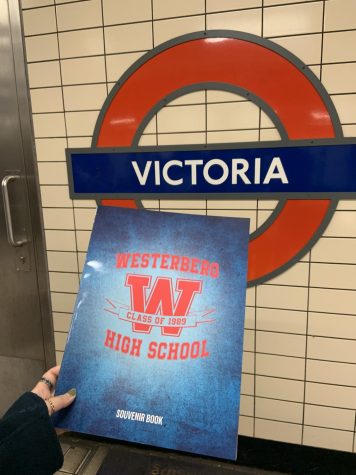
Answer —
155 345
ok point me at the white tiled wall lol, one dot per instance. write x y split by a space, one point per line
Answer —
299 365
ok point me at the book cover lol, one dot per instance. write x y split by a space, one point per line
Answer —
155 345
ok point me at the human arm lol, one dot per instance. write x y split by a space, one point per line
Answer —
28 441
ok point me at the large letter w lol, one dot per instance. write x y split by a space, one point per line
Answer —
161 300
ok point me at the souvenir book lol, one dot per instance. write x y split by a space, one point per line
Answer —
155 345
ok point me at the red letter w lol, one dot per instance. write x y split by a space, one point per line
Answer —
161 300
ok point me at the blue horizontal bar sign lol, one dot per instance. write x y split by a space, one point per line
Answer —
317 169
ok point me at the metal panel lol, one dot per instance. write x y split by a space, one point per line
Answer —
26 334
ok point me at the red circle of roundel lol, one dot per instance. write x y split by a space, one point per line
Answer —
253 67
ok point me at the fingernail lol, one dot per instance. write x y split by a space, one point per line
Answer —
72 392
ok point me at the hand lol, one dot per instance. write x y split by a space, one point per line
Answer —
45 390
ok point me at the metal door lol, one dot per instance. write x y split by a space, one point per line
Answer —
26 336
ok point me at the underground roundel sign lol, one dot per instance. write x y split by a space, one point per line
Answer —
307 170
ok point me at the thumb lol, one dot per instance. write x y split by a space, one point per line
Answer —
62 401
